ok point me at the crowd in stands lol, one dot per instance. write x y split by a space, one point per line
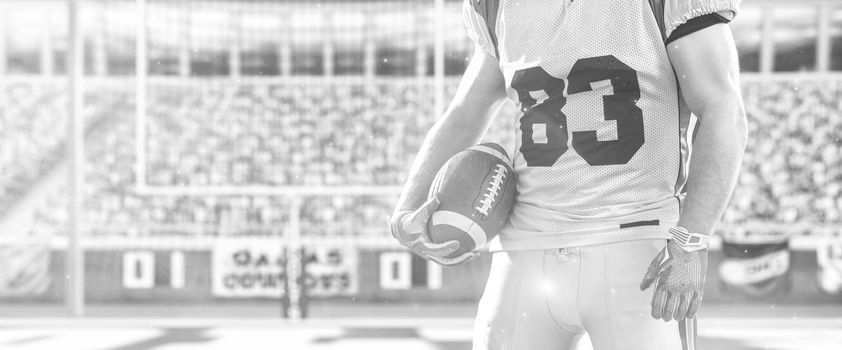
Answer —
289 135
792 171
352 134
32 126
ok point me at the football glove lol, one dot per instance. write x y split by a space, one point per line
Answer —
410 229
679 277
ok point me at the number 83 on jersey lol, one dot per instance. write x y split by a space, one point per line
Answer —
543 96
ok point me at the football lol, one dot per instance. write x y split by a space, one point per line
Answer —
476 191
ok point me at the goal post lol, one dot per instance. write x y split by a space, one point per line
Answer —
74 255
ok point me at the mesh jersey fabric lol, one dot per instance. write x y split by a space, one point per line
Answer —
601 137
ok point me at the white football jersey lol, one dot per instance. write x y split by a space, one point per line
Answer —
601 147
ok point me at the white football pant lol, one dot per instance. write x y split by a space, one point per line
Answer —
549 299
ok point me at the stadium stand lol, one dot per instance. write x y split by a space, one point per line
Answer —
281 135
354 134
793 167
30 131
33 119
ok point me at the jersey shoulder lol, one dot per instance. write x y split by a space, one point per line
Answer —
678 12
480 17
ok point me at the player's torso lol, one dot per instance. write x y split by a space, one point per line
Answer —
598 139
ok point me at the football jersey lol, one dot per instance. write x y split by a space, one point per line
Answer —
601 147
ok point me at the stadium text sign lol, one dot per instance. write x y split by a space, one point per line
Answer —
257 269
331 271
740 272
755 269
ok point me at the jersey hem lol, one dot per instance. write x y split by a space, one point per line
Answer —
570 240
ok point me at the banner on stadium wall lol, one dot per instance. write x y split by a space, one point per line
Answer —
829 255
257 268
24 269
755 269
331 271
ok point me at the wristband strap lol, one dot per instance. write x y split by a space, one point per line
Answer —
689 242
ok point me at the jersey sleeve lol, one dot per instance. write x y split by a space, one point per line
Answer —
679 12
477 28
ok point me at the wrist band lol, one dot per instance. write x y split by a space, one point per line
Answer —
688 241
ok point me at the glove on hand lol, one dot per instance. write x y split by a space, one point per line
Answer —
410 229
680 277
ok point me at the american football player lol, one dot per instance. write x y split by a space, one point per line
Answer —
608 193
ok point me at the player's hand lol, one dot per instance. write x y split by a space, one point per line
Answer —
410 229
680 278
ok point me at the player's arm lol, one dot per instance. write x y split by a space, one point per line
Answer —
477 100
706 65
468 116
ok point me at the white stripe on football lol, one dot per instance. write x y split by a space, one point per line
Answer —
462 223
487 149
